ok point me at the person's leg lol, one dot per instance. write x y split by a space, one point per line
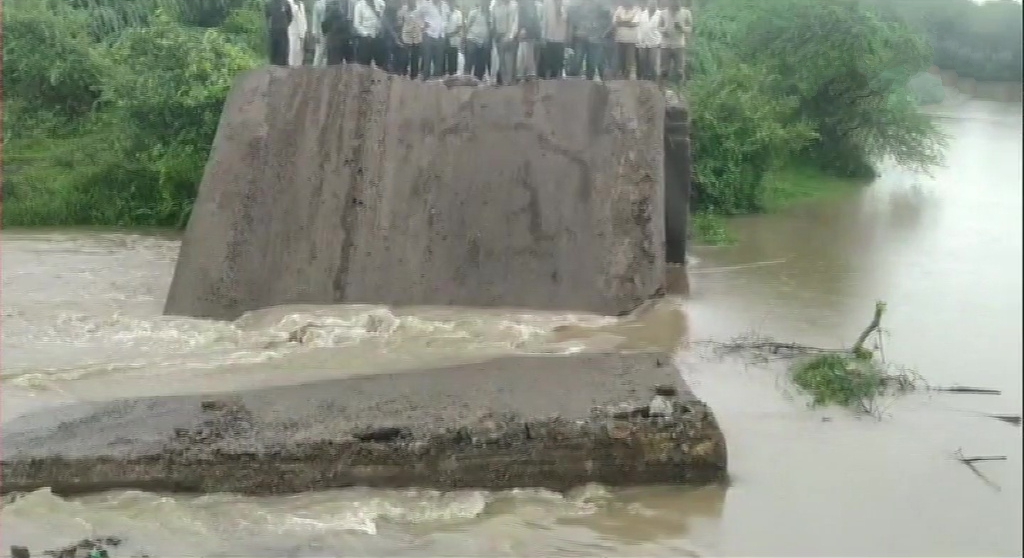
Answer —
682 65
557 60
275 48
630 66
349 48
480 55
364 50
470 59
415 60
529 58
377 52
438 63
538 50
508 61
387 54
574 66
427 60
402 61
542 60
488 58
641 62
451 60
589 51
436 59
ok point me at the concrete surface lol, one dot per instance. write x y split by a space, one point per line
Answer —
544 421
346 185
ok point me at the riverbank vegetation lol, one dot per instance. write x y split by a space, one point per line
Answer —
793 99
111 105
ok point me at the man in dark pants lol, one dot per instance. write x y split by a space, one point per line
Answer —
555 32
412 40
433 38
337 32
591 27
390 30
279 17
478 40
367 26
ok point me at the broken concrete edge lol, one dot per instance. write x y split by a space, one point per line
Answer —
619 447
546 422
99 546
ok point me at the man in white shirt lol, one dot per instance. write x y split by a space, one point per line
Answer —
505 24
648 42
676 24
453 30
432 15
366 24
625 19
555 30
478 40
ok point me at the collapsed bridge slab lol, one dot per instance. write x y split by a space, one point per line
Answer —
537 421
347 185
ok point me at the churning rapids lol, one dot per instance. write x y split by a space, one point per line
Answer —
81 320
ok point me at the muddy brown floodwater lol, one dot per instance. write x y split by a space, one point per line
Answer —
81 321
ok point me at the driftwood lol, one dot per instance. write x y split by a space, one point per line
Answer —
876 322
982 458
970 461
1009 419
968 389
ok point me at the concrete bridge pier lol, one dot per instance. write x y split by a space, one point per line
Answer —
678 177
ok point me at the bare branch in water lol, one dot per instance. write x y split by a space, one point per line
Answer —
1009 419
969 462
876 322
968 389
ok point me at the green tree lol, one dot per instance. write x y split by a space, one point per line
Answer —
743 131
820 81
121 133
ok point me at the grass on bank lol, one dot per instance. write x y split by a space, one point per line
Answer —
785 188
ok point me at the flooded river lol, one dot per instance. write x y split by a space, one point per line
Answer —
81 321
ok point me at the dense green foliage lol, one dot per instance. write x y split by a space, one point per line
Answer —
823 83
111 105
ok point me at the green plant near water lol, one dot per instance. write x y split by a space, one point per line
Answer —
858 378
710 229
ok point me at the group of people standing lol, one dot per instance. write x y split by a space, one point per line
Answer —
503 40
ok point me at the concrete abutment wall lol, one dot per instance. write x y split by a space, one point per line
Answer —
347 185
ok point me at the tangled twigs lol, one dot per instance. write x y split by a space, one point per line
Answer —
767 346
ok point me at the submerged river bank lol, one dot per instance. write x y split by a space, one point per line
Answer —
81 321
